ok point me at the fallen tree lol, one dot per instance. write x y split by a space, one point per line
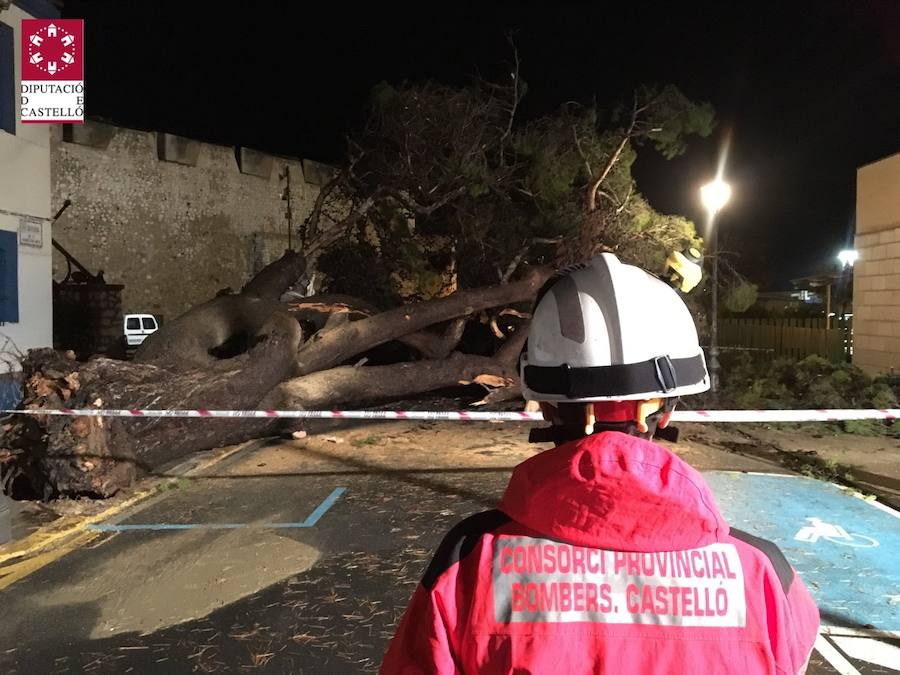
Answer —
240 351
441 191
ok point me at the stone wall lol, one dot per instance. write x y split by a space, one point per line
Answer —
172 219
876 275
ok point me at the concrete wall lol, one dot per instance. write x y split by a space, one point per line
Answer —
25 193
173 219
876 276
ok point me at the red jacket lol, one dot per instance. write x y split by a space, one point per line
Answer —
607 555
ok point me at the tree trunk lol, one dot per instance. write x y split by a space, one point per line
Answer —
98 456
227 323
434 346
276 277
349 384
317 310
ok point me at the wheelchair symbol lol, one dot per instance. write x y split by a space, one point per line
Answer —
819 529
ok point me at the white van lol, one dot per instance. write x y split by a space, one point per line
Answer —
137 327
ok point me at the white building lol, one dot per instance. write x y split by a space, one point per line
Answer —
26 307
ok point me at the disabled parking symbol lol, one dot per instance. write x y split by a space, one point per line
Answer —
831 532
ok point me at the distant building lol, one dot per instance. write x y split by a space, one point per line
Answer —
25 239
876 275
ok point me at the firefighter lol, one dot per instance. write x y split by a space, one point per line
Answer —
607 553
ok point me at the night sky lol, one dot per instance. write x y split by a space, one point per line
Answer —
809 90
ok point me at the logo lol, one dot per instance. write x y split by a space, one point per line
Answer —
52 71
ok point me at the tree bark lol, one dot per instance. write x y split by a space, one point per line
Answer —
434 346
98 456
232 321
318 309
348 384
276 277
189 342
329 349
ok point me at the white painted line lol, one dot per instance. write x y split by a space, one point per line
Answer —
774 475
884 507
870 651
834 657
872 502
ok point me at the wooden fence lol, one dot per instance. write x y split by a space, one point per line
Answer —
797 338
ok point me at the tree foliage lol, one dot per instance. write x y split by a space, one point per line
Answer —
741 297
813 382
445 187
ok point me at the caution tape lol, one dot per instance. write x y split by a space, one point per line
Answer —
819 415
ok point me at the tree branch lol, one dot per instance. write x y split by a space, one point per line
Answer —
312 221
336 346
420 209
339 385
592 192
624 203
587 164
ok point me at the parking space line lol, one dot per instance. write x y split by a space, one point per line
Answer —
310 521
834 657
326 504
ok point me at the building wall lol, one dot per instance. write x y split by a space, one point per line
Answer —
876 276
25 194
174 220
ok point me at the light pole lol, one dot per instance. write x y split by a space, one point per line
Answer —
714 196
847 258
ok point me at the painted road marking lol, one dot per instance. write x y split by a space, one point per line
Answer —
9 574
852 585
833 533
310 521
834 657
62 529
869 651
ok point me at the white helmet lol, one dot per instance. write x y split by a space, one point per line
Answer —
607 331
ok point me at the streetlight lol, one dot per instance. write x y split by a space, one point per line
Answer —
714 196
848 257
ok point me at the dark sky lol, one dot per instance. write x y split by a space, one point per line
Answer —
809 90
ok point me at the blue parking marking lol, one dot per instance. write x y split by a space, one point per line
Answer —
844 548
320 510
310 521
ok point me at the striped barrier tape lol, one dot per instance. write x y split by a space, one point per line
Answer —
820 415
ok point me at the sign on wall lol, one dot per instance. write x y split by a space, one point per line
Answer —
52 71
31 232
